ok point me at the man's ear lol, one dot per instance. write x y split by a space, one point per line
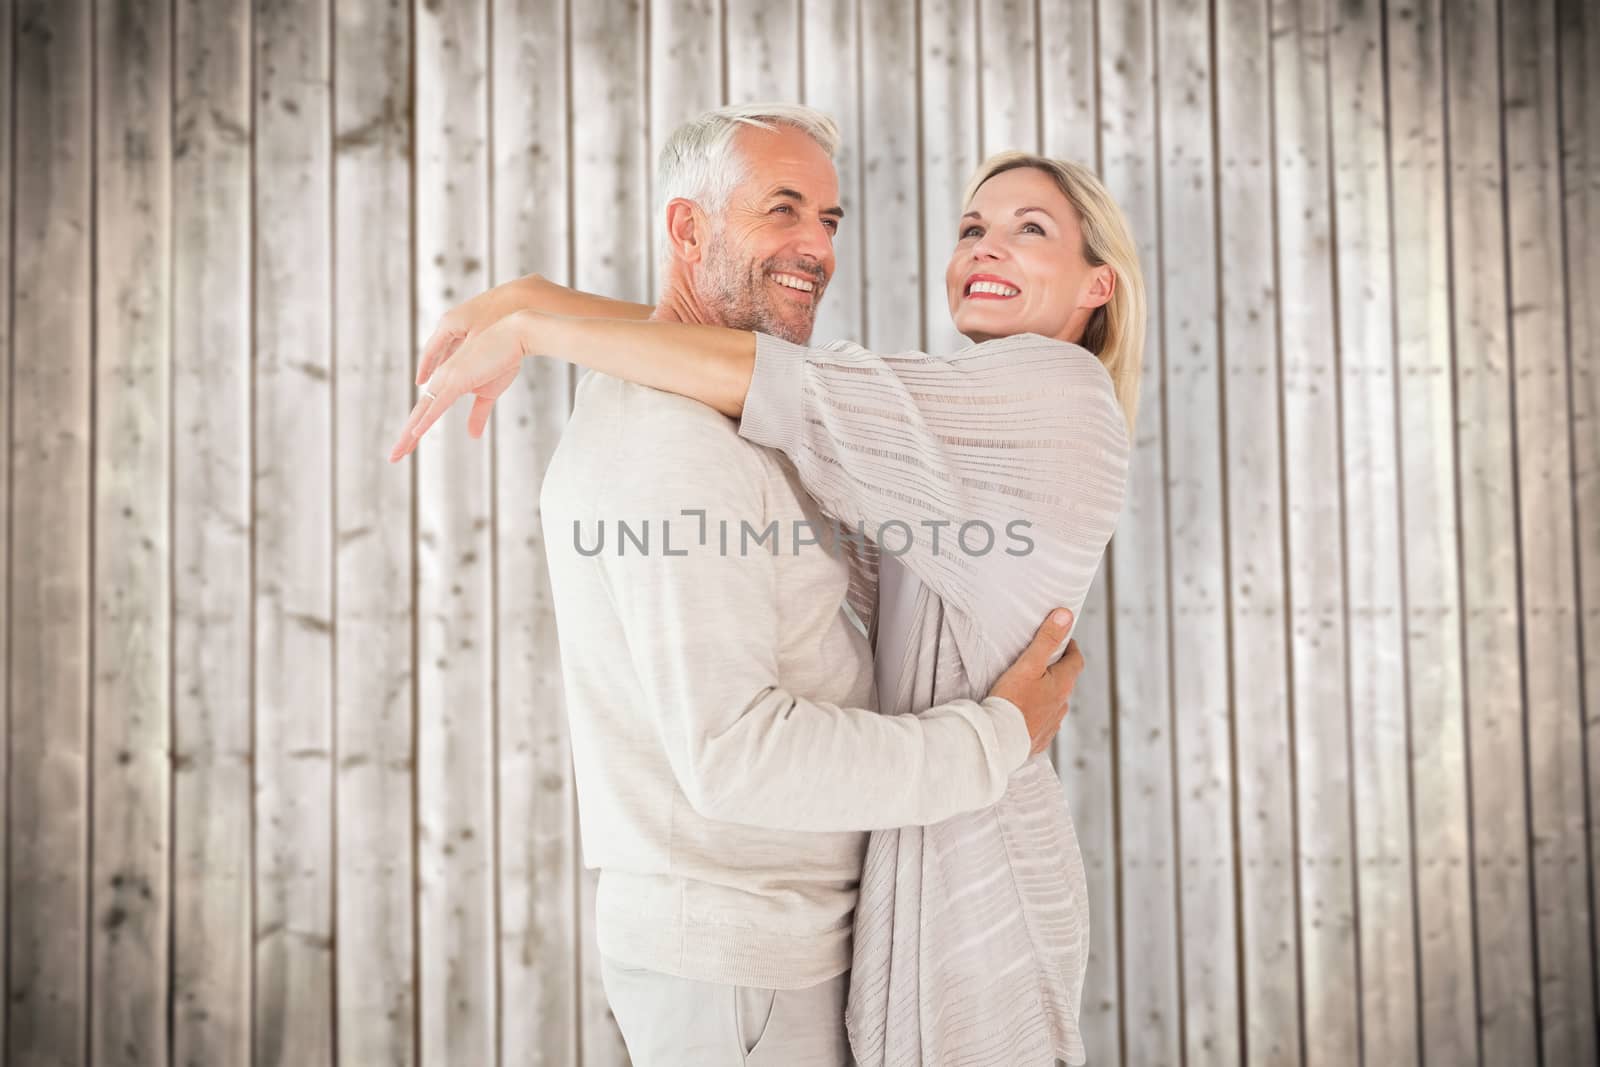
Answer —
686 229
1102 283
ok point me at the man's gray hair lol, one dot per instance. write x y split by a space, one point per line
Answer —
699 161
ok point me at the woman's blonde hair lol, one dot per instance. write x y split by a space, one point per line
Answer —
1115 332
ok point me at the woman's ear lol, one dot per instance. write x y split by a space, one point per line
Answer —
686 229
1102 283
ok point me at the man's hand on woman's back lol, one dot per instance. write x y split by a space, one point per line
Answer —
1042 689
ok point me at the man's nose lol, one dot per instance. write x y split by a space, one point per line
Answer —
815 241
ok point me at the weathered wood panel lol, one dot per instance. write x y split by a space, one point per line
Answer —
1374 615
1140 565
1085 755
1069 117
1187 285
538 851
1257 579
458 920
212 508
1547 578
1486 488
610 174
1007 46
1578 45
1423 355
1314 513
762 51
50 510
950 151
293 543
891 209
374 598
129 852
7 16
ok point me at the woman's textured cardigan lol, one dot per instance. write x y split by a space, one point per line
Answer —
987 484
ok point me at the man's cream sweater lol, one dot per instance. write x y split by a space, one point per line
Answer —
728 753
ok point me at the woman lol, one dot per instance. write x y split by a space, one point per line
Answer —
1022 437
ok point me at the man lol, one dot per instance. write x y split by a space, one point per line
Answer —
728 755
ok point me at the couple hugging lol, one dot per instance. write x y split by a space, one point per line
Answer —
811 770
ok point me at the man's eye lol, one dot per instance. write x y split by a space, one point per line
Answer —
831 224
784 207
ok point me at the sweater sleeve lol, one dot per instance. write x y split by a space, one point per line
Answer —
996 475
702 627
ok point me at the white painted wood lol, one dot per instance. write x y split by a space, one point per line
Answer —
1008 59
1374 611
456 595
293 544
762 51
375 673
1186 289
51 503
686 78
610 210
1067 80
538 851
213 883
228 303
1257 580
949 151
1139 576
129 851
1432 563
1083 752
831 82
1486 480
1319 701
1548 578
1578 38
889 220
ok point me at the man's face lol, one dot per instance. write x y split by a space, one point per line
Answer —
770 253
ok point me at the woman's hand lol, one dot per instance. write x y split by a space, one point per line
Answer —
530 292
485 365
467 320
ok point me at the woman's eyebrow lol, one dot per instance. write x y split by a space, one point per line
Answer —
1020 211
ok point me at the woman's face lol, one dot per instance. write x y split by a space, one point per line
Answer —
1018 266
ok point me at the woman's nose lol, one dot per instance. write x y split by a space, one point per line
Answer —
986 248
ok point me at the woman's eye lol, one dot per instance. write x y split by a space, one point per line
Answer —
972 231
1034 226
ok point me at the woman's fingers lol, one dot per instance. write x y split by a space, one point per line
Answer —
424 414
479 417
440 347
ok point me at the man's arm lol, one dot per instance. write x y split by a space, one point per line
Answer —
702 631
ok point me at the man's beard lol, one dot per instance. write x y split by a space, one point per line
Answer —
740 293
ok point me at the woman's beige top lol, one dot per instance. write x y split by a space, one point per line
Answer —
990 482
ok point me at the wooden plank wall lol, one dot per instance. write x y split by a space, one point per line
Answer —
286 776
